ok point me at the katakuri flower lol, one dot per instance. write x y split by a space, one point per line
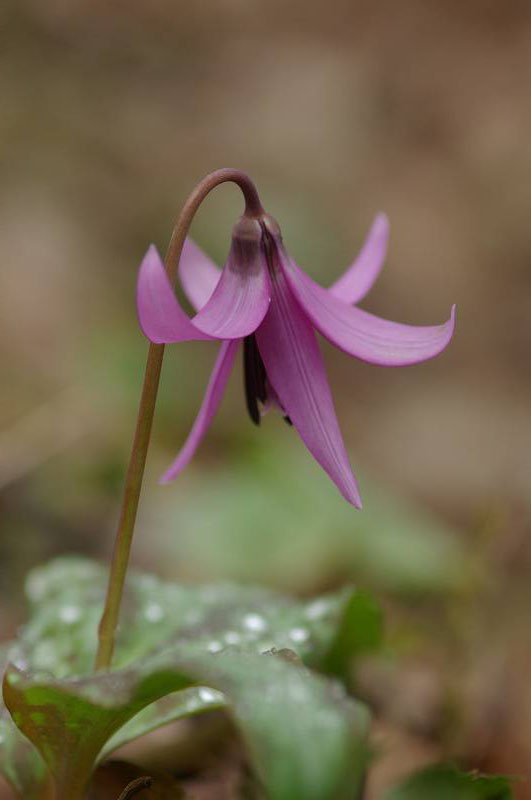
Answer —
265 300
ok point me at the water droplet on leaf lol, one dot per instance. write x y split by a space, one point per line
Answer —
255 623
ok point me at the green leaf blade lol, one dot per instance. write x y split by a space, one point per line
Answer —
184 650
305 737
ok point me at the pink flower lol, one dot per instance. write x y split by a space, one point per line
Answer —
263 298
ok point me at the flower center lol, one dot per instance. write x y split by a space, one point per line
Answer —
254 376
257 386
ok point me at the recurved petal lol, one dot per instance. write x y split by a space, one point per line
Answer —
241 298
363 335
212 399
160 315
359 278
295 368
199 275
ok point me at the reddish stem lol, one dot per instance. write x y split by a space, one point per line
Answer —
137 462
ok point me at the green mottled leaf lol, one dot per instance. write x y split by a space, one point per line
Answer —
20 762
305 737
446 781
65 598
181 650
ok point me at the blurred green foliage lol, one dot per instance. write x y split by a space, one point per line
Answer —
448 783
269 514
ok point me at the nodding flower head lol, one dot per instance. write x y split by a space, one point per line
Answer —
264 300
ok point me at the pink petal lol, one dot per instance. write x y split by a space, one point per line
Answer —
354 284
241 298
294 366
214 393
363 335
160 315
199 276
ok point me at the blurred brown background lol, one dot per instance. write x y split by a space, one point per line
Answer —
109 113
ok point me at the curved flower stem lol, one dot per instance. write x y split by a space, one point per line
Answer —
135 472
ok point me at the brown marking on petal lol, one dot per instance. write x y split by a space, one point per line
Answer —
272 245
245 248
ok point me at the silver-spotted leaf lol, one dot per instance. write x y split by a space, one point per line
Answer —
306 739
76 718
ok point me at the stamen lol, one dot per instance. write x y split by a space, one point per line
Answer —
135 787
254 376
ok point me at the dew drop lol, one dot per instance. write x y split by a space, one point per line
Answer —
299 635
317 609
232 637
20 662
209 695
69 614
254 623
154 612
